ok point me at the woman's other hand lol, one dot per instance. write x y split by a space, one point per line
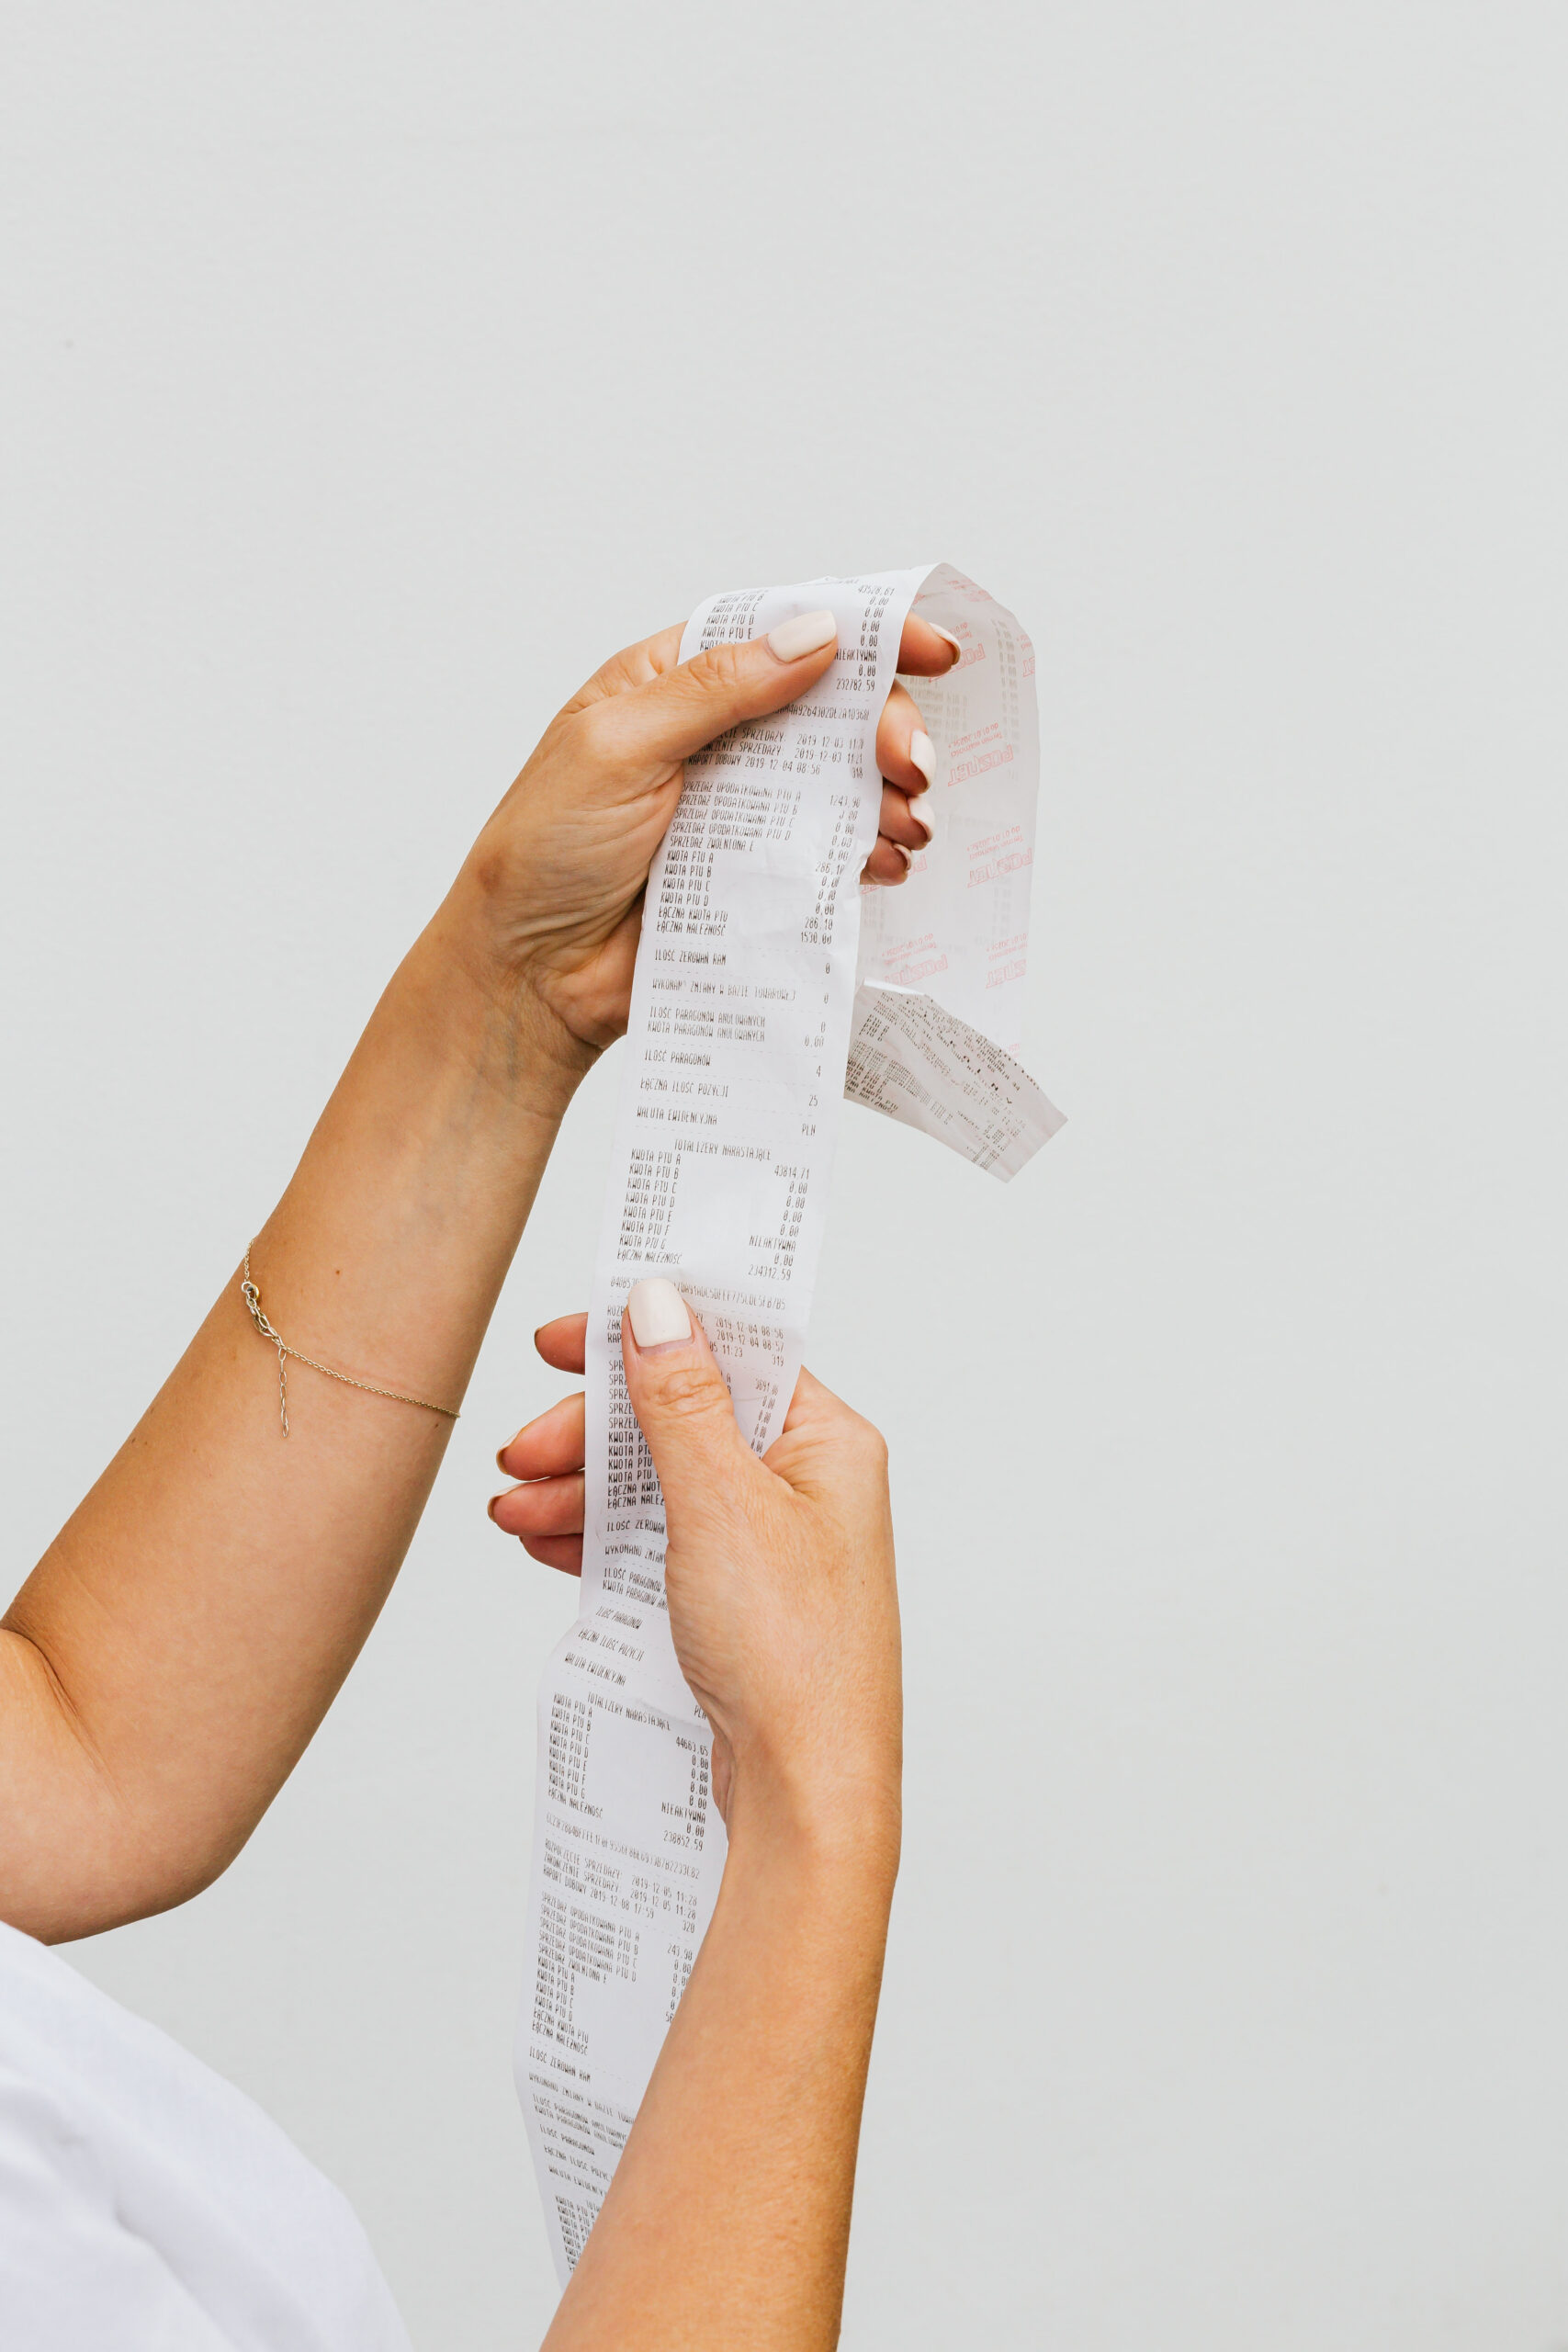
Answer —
779 1570
548 906
728 2220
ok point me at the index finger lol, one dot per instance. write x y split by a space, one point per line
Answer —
563 1342
925 650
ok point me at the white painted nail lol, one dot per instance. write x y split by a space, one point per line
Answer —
658 1313
907 855
807 633
948 639
923 816
922 752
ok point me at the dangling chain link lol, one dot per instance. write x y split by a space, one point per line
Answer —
252 1298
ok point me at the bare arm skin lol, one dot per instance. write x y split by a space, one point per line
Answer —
168 1660
726 2225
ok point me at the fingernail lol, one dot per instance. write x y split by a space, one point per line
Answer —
948 639
907 855
500 1449
490 1507
923 816
792 640
922 752
657 1312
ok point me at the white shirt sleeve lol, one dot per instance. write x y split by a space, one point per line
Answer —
146 2205
72 2273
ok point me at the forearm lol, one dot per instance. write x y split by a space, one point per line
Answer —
171 1657
727 2223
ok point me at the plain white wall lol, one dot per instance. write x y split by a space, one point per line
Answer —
370 373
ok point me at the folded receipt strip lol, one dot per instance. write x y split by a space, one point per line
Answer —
767 988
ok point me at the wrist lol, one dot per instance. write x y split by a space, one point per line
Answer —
833 1817
491 1021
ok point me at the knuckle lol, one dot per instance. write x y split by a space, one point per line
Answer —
721 665
689 1392
867 1445
854 1444
720 669
599 737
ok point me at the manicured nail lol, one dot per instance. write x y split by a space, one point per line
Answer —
909 857
948 639
658 1313
500 1449
923 816
922 752
807 633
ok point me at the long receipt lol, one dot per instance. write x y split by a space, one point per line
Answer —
769 987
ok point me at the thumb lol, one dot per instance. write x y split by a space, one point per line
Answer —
679 1394
675 714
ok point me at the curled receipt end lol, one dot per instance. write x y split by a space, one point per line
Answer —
916 1062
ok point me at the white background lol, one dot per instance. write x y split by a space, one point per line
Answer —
369 374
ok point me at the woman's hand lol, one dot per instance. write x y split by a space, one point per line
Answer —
549 905
727 2222
779 1569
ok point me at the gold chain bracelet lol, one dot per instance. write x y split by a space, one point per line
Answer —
252 1298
